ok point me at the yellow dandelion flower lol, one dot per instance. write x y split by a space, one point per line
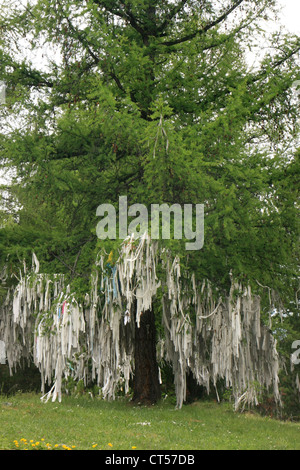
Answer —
110 444
73 447
42 439
31 440
37 443
94 445
133 447
56 445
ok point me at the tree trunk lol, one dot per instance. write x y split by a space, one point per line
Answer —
146 387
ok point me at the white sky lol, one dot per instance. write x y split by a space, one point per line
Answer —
291 15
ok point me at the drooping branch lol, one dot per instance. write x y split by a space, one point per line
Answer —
278 61
254 78
80 36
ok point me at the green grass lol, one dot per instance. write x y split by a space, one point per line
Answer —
83 422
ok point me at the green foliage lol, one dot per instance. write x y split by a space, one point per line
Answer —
153 100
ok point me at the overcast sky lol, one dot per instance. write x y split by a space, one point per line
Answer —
291 15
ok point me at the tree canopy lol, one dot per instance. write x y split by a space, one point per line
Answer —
154 100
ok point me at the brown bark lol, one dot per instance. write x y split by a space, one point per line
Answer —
146 389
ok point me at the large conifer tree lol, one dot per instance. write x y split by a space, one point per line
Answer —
154 100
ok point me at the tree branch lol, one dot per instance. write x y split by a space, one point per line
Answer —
126 15
206 28
262 73
171 15
79 36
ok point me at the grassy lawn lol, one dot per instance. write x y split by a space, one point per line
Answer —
86 423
